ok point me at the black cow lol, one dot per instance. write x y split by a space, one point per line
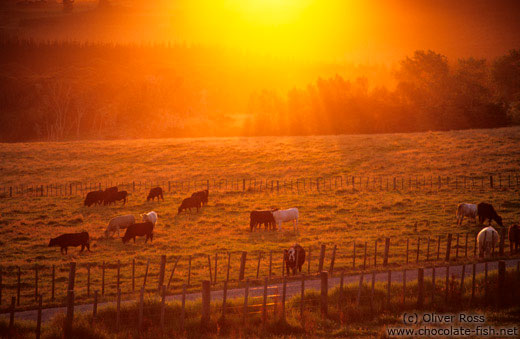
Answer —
112 197
487 212
71 239
294 258
139 230
111 189
514 237
94 197
189 203
202 195
261 217
155 192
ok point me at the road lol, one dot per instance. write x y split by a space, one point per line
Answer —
292 288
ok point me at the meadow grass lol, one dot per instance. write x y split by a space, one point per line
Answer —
369 318
335 216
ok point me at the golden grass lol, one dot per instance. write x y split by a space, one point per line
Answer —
334 216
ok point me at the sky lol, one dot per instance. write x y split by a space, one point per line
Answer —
369 31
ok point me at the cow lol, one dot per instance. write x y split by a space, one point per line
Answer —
112 197
281 216
202 195
294 258
94 197
155 192
150 216
111 189
71 239
264 217
139 230
117 223
189 203
466 210
487 239
487 212
514 237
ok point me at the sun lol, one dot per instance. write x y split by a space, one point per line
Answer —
268 12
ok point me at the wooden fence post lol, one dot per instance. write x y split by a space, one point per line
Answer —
103 279
146 273
309 262
375 253
39 318
331 269
133 275
420 288
228 265
462 276
162 269
264 303
70 314
491 181
418 248
224 300
189 269
210 272
365 257
501 283
258 264
11 317
52 281
242 265
502 241
407 249
18 287
448 247
206 297
140 314
322 258
387 250
118 309
457 247
389 287
324 293
35 282
216 259
428 250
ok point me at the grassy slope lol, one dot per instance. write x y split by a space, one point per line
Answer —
332 217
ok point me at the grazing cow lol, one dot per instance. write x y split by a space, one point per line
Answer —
71 239
202 195
155 192
94 197
487 212
150 216
117 223
487 239
281 216
139 230
112 197
294 258
514 237
466 210
189 203
261 217
111 189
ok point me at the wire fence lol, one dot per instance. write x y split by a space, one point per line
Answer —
362 182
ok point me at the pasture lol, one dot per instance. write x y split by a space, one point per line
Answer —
332 217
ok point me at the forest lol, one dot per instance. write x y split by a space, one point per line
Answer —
53 91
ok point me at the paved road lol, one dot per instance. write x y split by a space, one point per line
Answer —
293 288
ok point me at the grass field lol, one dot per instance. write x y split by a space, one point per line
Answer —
337 216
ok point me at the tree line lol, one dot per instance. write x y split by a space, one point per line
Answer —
71 90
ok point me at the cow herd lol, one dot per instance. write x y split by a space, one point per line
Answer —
488 237
270 219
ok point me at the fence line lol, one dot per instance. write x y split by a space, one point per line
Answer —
109 278
283 185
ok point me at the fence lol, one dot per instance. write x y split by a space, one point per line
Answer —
297 185
272 301
233 267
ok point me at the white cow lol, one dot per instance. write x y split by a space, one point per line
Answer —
487 239
290 214
150 216
120 222
466 210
